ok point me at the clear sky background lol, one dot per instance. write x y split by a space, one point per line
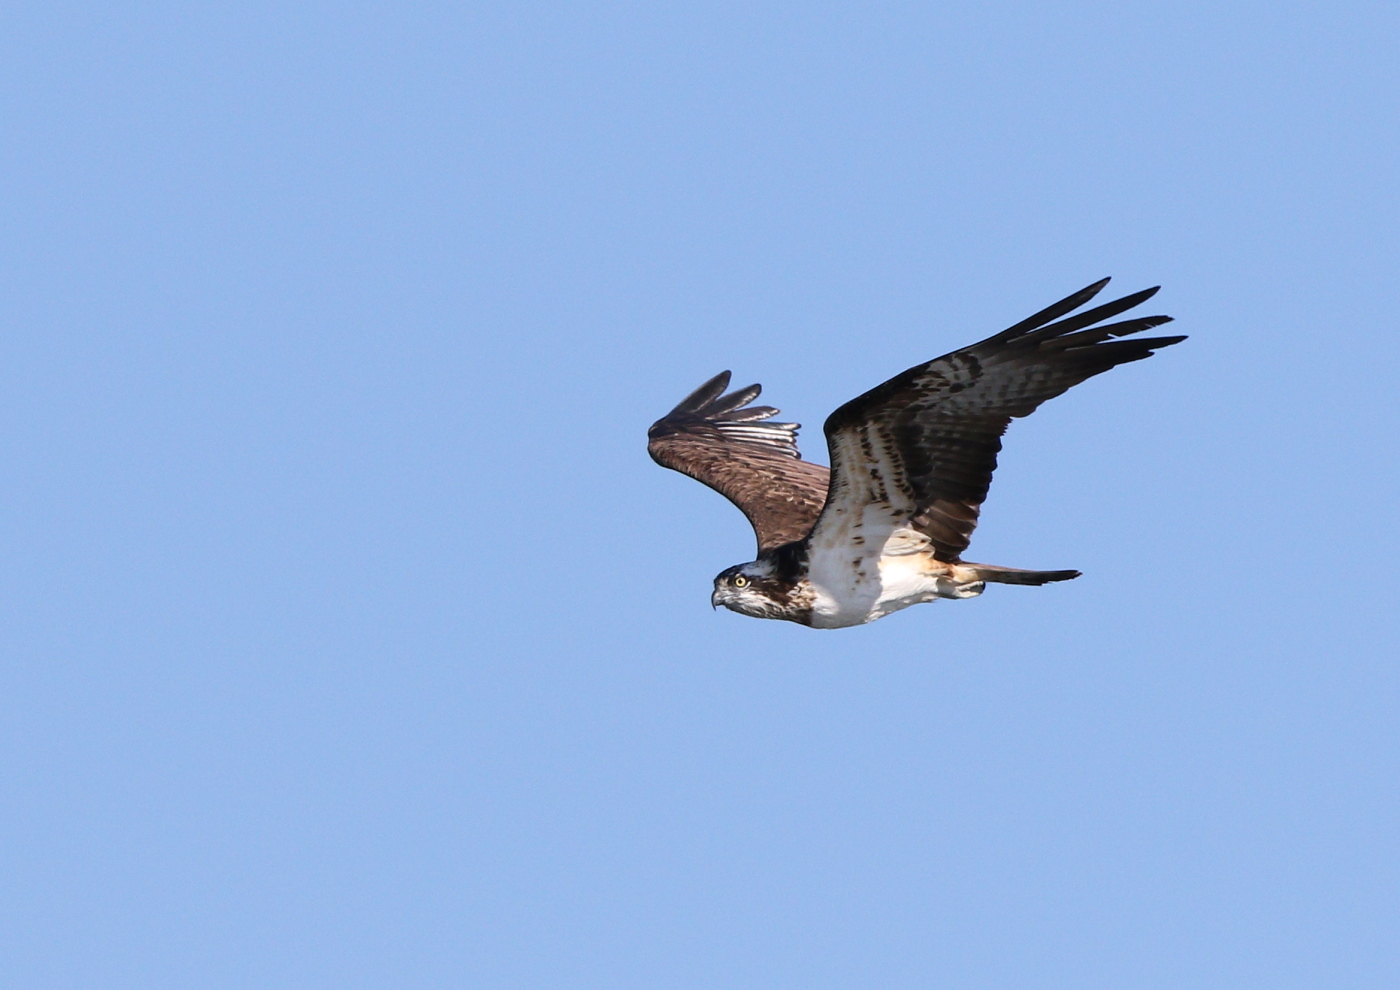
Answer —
351 640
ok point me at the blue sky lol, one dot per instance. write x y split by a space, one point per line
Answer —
352 639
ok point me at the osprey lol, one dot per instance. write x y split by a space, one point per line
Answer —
911 460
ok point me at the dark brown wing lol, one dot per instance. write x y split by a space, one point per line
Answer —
722 441
925 443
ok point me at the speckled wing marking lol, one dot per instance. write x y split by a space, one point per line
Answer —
921 448
723 442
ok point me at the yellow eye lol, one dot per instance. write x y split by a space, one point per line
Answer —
740 581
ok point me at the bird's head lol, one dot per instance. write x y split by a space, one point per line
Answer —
752 589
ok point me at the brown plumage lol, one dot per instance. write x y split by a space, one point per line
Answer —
755 464
912 460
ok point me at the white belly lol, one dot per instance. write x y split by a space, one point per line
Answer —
854 596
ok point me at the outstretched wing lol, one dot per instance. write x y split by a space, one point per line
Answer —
912 458
722 441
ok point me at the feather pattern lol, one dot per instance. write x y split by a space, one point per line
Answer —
721 441
919 450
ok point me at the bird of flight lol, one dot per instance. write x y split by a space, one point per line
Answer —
911 460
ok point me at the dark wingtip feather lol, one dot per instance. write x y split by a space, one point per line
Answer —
1097 334
1053 312
703 395
1088 317
1116 352
1136 326
734 400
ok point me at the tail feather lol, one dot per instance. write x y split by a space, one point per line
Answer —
1017 575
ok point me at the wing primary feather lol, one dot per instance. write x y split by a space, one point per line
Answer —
728 403
748 415
1090 316
1097 334
1054 312
703 395
1122 351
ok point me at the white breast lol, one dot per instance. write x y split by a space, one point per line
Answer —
852 588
